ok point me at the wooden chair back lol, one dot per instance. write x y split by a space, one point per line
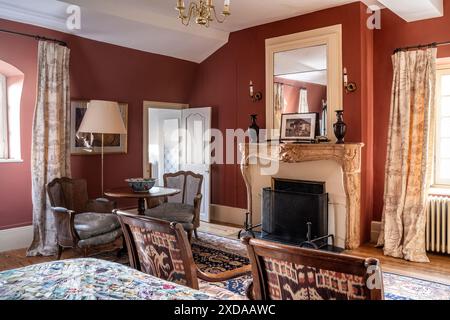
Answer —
188 182
68 193
159 248
282 272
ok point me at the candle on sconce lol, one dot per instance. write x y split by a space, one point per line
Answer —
251 89
345 76
180 4
226 7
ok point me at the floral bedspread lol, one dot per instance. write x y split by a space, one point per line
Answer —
89 279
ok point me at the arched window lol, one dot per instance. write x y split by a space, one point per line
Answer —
11 84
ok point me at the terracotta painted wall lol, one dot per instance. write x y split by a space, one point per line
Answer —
98 71
396 33
291 93
222 82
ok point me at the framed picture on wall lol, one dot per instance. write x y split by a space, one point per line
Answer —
298 126
91 143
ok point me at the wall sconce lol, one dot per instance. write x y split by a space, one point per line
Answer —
349 86
256 96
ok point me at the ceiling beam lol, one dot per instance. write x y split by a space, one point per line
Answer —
18 12
415 10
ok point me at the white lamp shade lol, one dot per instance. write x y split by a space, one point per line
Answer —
103 117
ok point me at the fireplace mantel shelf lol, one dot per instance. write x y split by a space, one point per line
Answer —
347 155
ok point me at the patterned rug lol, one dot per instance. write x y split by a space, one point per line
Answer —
217 254
397 287
231 255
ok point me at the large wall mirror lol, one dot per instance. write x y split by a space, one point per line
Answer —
304 75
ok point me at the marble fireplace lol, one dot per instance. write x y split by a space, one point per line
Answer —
337 166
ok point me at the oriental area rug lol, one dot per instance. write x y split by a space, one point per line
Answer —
216 254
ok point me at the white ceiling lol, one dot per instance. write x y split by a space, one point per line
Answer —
301 60
152 25
414 10
305 64
316 77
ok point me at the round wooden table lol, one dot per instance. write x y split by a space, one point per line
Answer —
128 193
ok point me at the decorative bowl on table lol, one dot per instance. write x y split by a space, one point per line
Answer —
141 184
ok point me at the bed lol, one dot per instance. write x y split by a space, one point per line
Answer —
89 279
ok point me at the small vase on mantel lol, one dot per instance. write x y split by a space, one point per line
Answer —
340 128
253 129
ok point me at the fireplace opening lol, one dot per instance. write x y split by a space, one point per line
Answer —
296 212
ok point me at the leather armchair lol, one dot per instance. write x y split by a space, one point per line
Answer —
81 223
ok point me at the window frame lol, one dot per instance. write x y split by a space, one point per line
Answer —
442 69
4 113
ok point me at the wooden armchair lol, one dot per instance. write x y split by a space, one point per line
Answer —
161 248
184 207
282 272
81 223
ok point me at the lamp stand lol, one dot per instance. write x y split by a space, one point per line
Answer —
103 156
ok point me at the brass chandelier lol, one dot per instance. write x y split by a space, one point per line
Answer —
203 11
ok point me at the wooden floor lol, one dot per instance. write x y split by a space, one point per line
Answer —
18 258
437 270
220 229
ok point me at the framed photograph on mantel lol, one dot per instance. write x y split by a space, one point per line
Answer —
91 143
298 127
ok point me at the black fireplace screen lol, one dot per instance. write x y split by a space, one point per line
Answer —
290 206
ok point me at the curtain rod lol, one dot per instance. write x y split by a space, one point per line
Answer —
421 46
36 37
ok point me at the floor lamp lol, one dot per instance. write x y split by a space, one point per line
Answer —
102 117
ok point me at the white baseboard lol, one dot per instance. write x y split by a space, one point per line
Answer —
228 214
375 231
17 238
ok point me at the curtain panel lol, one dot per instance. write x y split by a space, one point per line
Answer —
50 154
303 101
409 155
278 107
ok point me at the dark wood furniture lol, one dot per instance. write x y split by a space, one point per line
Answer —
282 272
183 207
154 193
161 248
81 223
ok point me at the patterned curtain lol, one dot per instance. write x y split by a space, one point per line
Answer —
50 155
408 157
278 104
303 101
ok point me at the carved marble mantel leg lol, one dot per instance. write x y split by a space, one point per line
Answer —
352 186
245 175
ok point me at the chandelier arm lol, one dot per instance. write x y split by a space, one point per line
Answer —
203 17
217 18
186 19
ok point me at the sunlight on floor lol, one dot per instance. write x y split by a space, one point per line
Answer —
227 231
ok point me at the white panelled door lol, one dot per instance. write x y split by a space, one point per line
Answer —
196 153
